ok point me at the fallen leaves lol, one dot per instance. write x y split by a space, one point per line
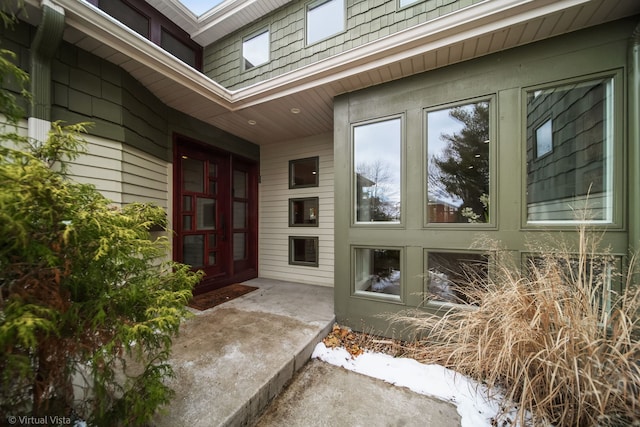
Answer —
343 337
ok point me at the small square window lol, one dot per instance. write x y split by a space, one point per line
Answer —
255 50
303 250
303 212
303 173
324 19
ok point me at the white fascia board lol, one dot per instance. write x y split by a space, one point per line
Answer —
215 24
470 22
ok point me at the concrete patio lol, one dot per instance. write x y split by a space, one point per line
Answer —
233 363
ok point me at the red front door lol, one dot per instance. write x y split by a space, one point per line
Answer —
214 216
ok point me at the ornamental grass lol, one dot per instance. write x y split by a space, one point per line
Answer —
553 340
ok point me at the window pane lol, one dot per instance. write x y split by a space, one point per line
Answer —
193 250
192 175
303 212
303 251
575 174
458 164
178 49
303 173
377 166
324 19
239 246
239 214
239 184
377 270
206 213
255 50
450 275
404 3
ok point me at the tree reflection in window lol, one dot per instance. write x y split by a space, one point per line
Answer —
378 167
458 164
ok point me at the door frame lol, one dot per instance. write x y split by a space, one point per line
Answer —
238 271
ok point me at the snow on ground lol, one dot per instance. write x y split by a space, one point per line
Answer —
474 406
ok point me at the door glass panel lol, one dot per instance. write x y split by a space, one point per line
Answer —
377 166
213 188
212 258
570 153
186 222
213 170
239 214
239 246
212 241
458 164
206 213
187 202
192 175
239 184
193 250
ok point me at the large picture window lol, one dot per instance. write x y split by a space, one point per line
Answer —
377 165
324 19
458 163
570 153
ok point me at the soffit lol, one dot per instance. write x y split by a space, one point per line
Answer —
476 31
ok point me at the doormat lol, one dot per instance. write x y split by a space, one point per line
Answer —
218 296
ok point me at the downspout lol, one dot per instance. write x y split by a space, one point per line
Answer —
45 44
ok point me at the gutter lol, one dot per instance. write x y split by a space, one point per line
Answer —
634 140
45 43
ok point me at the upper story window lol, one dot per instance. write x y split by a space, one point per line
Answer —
570 152
404 3
324 19
142 18
255 50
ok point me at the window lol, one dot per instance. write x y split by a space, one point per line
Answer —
177 48
303 212
455 277
377 271
458 164
303 173
255 50
573 181
404 3
324 19
377 166
303 250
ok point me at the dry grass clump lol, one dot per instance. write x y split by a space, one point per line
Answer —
554 340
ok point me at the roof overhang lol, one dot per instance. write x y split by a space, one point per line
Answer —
478 30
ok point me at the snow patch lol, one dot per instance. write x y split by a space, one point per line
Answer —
472 399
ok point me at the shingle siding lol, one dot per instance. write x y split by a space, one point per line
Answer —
367 20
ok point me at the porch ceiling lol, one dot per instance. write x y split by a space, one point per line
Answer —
487 27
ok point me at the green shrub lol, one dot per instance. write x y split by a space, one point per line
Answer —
88 306
553 341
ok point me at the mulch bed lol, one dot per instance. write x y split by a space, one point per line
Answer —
218 296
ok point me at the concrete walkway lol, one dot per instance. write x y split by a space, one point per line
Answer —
232 361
